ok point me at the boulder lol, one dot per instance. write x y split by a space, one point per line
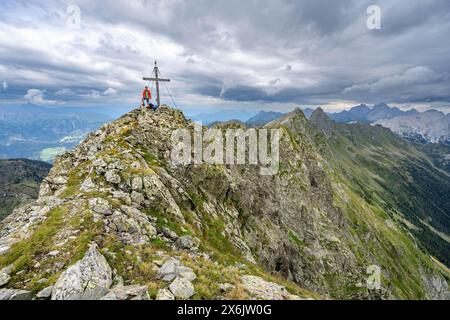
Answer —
173 268
91 272
100 206
182 288
165 294
13 294
45 293
264 290
128 293
112 177
188 243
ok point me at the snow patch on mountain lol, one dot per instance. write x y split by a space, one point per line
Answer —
431 126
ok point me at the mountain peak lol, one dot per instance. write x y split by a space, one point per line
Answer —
292 119
321 119
262 118
381 105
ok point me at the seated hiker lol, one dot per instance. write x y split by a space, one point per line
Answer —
146 96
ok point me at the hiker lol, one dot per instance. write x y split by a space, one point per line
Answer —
147 96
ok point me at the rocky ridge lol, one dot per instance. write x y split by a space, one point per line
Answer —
115 220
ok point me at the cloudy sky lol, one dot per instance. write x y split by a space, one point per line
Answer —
237 55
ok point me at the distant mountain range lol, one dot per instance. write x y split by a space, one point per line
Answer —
39 133
429 126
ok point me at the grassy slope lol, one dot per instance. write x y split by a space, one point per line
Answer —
396 176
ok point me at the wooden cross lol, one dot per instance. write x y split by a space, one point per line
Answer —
157 79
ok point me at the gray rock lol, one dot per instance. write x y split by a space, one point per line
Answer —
90 272
173 268
186 273
264 290
99 164
45 293
182 288
137 198
128 293
13 294
165 294
137 184
188 243
168 270
112 177
91 294
87 185
226 287
100 206
169 234
4 279
22 295
53 253
5 275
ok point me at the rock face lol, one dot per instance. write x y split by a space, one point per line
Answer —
19 183
88 274
178 229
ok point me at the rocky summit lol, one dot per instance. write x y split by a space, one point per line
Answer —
116 220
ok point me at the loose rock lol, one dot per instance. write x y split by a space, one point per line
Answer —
182 288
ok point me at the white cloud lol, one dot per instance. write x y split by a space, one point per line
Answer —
315 52
64 93
94 94
110 92
413 76
36 96
5 85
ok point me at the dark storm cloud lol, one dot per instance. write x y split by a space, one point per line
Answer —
308 52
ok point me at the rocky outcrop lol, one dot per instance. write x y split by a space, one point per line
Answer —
90 276
176 228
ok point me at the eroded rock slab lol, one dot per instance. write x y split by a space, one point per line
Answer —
91 272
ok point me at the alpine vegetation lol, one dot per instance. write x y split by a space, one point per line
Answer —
118 219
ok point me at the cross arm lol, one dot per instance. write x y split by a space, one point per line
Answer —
154 79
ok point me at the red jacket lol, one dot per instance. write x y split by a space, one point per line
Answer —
144 94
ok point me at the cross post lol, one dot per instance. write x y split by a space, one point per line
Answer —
157 80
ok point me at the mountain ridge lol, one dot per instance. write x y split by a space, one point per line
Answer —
118 195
